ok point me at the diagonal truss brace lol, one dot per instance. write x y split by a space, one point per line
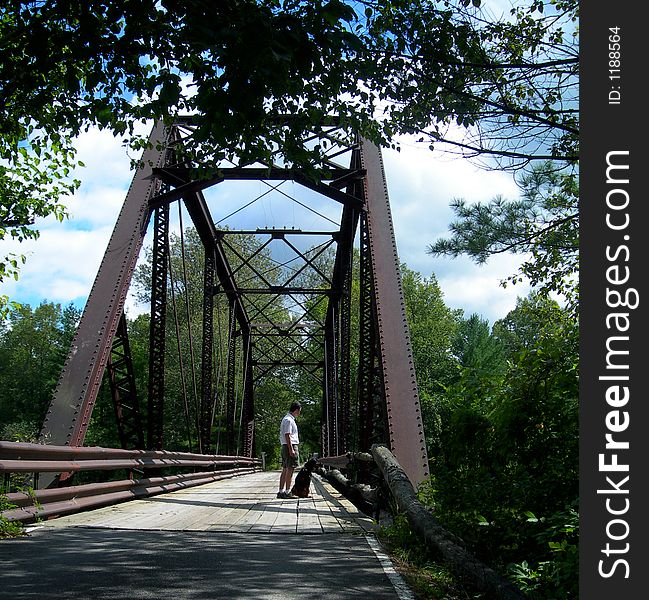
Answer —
69 412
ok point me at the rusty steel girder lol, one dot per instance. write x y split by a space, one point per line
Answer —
68 416
387 402
205 421
123 391
371 425
157 328
404 419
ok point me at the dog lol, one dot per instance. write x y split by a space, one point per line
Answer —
303 479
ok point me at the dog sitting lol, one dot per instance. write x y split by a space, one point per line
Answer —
303 479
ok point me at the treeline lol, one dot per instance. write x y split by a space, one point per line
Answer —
34 344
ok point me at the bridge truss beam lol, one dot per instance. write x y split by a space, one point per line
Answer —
319 334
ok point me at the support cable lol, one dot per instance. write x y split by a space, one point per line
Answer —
273 187
315 212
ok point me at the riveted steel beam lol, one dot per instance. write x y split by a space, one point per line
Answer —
248 408
406 434
371 426
230 399
123 391
157 328
205 421
75 395
180 178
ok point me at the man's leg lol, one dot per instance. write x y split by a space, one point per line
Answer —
283 479
288 478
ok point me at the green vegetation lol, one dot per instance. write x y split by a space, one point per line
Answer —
8 528
414 562
33 346
505 467
499 402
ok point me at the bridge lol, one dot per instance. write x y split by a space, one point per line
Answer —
320 299
293 314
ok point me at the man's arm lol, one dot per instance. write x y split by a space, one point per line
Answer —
288 444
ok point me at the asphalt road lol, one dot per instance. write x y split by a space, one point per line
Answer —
100 564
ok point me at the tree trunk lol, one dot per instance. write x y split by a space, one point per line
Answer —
356 492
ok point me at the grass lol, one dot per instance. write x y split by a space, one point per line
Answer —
427 578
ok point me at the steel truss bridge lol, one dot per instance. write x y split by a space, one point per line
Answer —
327 310
312 331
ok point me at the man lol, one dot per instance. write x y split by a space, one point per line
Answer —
288 438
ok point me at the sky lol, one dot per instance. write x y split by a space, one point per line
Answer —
62 264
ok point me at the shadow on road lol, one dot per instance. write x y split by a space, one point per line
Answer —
99 564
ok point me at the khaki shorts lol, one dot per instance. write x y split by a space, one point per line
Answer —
288 461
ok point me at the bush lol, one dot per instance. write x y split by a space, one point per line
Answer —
8 528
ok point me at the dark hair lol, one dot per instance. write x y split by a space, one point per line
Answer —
294 406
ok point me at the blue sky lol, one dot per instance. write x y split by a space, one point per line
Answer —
62 264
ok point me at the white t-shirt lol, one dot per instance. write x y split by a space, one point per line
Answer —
288 426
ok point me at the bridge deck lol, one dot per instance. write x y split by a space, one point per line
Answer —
245 504
231 539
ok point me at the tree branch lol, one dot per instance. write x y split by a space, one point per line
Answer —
504 153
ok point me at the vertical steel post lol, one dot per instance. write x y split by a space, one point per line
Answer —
157 329
248 420
205 421
370 395
345 358
123 391
230 419
331 377
324 426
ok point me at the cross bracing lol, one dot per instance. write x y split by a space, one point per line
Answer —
287 282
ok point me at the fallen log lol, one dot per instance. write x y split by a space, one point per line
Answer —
361 493
445 545
345 460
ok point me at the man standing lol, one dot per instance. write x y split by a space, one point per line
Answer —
288 438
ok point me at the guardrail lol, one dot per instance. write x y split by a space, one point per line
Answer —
17 457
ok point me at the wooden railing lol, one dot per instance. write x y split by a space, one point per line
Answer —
34 504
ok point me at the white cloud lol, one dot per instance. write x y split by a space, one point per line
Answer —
62 264
422 184
477 289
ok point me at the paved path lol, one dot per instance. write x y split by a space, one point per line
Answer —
227 539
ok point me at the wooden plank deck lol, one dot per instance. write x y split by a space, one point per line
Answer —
244 504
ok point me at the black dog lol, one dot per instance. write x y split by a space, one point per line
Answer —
303 479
